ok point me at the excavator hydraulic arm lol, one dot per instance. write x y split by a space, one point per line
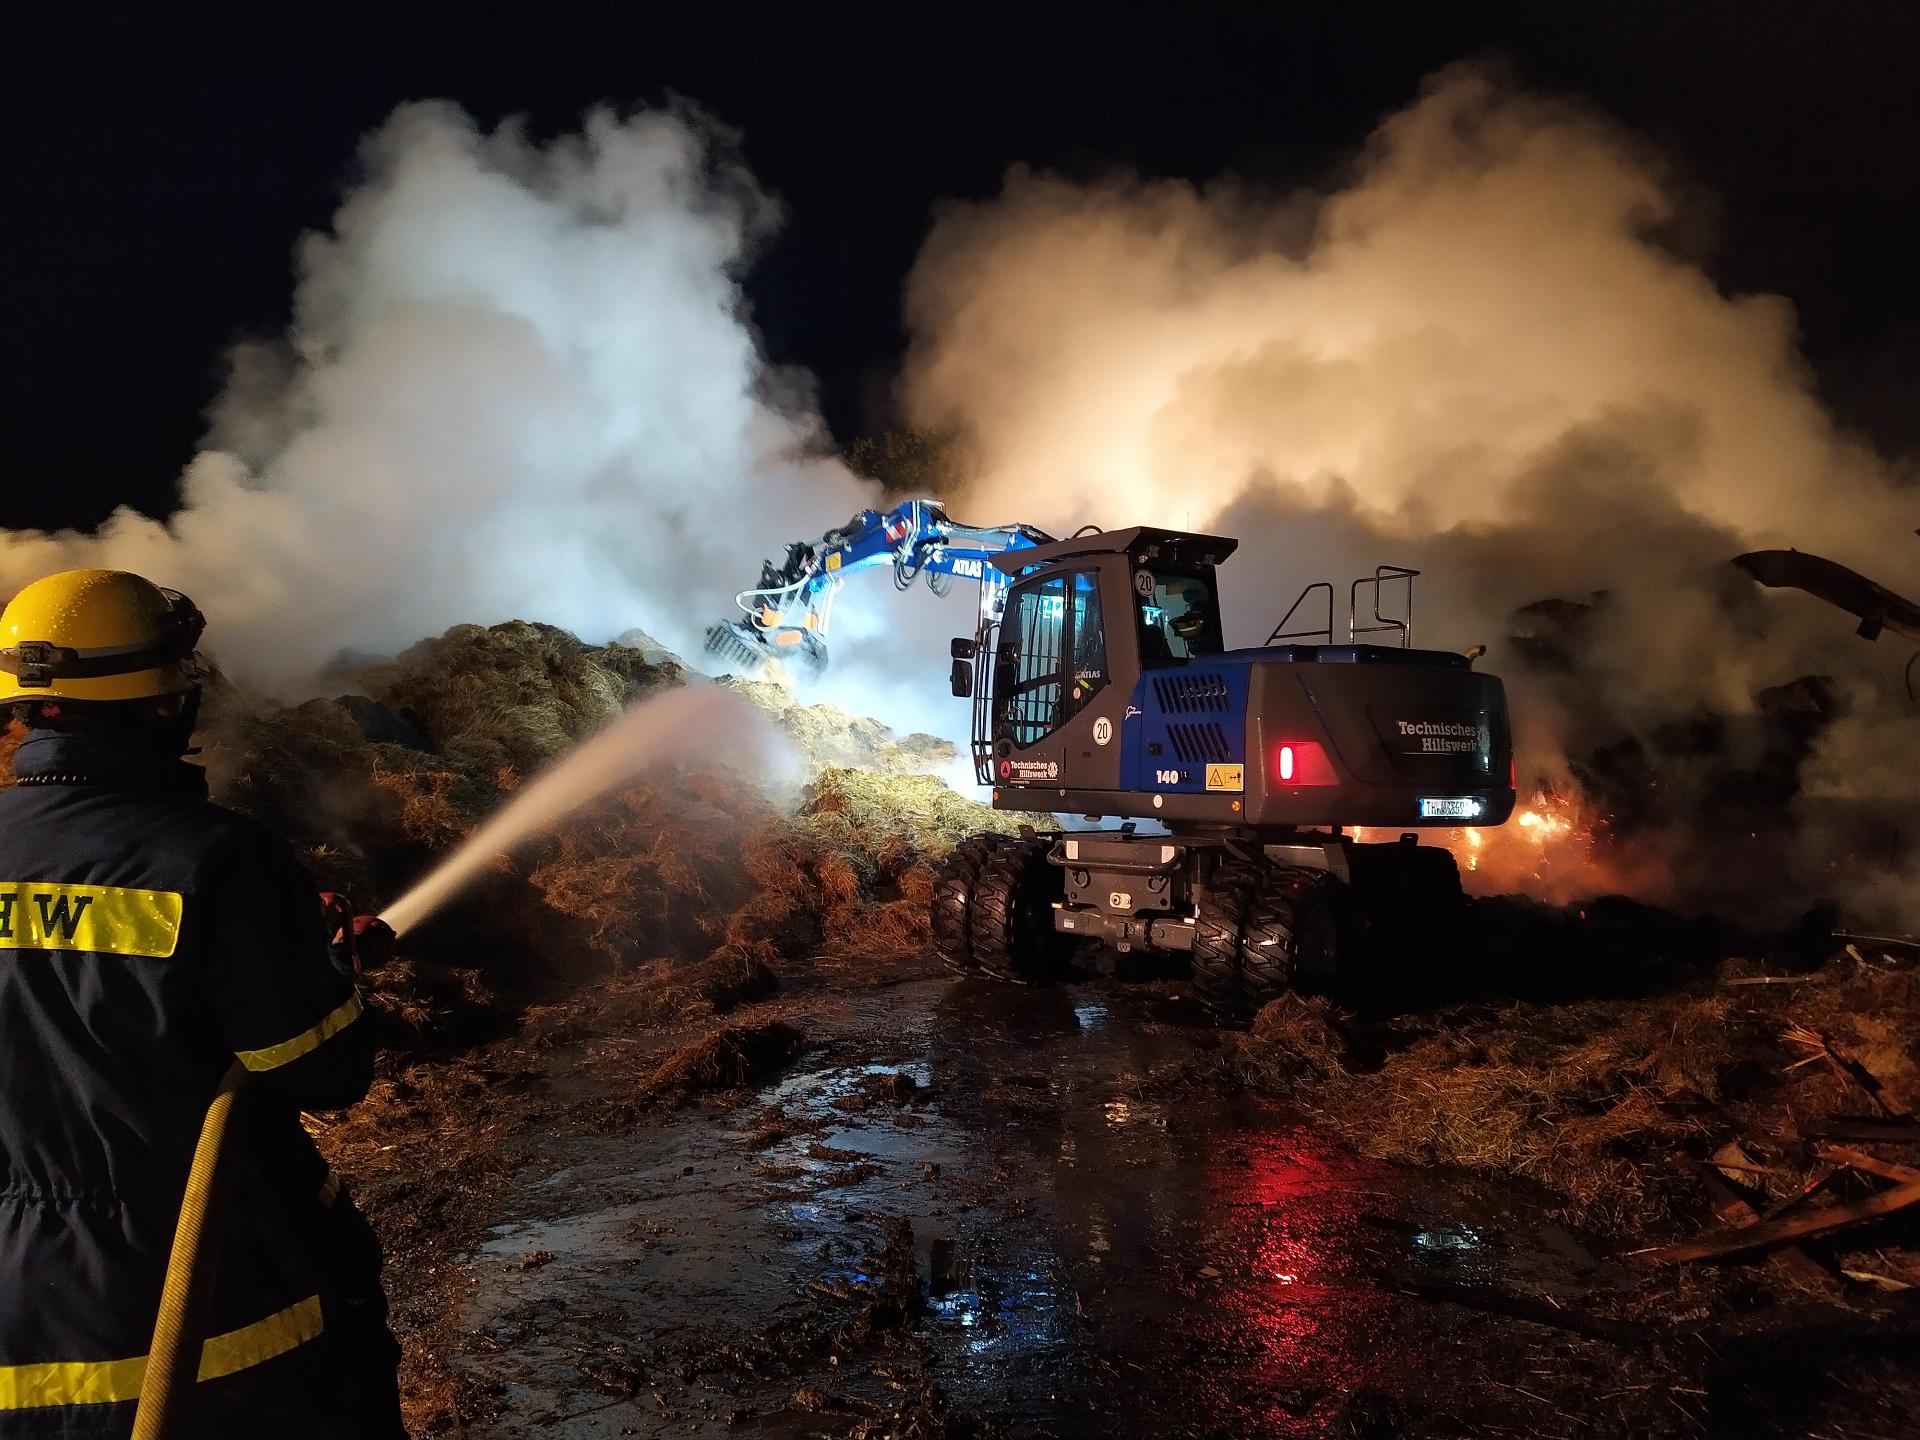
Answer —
782 629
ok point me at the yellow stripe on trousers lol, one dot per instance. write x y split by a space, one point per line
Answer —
101 1382
274 1056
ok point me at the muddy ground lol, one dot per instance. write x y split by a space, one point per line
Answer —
934 1208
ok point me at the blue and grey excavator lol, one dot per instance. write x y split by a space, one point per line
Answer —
1102 687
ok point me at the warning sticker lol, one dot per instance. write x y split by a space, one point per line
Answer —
1226 777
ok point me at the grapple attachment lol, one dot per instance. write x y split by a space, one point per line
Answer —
783 653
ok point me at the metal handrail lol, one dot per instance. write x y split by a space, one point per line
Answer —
986 641
1382 623
1280 631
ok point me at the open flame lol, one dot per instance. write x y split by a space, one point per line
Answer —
1545 825
1546 848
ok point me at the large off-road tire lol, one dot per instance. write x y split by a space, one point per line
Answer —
1011 916
1295 939
1219 928
952 900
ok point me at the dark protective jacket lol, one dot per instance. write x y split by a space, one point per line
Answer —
147 938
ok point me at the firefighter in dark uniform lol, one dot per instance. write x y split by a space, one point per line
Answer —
147 940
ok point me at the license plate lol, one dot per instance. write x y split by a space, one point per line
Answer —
1433 807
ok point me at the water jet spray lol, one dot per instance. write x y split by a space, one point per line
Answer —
690 724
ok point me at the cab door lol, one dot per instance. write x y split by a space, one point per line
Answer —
1055 706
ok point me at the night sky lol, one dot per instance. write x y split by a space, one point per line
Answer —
160 171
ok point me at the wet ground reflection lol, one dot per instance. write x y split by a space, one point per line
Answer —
1092 1254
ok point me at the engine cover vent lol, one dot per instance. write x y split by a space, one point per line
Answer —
1190 694
1200 743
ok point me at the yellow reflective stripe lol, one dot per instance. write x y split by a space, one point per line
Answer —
274 1056
261 1341
102 1382
103 919
70 1382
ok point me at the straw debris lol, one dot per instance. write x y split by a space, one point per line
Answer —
723 1060
1591 1097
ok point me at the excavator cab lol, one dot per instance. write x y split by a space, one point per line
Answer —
1082 621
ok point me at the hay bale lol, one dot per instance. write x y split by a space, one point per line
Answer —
1293 1037
304 770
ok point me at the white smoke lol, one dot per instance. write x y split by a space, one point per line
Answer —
1477 358
521 381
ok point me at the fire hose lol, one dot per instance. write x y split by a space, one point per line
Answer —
173 1360
179 1328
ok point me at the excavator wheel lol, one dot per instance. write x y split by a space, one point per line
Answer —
953 897
1293 940
1219 930
1011 914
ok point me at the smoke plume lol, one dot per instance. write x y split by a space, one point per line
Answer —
520 381
1478 356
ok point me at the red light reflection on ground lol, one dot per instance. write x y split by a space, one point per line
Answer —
1294 1297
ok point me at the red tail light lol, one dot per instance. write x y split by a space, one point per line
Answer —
1513 773
1302 762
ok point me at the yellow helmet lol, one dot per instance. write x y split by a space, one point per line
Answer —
97 635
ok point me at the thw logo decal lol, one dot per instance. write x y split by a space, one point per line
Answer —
104 919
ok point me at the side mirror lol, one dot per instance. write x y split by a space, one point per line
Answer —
962 676
963 649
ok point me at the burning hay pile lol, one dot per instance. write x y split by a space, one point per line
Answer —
680 895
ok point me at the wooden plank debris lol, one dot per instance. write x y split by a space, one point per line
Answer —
1860 1131
1869 1164
1878 1281
1770 1234
1733 1209
1898 942
1815 1184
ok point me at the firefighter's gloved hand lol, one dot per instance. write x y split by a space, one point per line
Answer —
358 942
373 942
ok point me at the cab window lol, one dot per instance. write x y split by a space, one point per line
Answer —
1087 669
1027 685
1179 617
